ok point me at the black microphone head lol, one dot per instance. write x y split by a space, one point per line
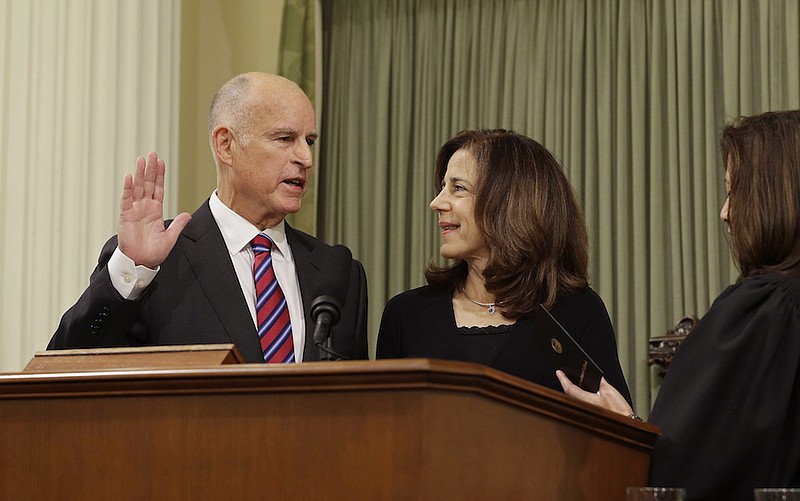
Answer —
326 304
333 284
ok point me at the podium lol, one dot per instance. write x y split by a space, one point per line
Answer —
416 429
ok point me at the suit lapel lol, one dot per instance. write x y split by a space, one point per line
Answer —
208 257
308 260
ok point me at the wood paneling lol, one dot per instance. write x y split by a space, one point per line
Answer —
406 429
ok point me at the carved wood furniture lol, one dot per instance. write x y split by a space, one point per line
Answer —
662 348
396 429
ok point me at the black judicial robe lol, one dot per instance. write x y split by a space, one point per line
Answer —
729 405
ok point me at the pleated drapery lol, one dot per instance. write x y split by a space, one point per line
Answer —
629 94
85 87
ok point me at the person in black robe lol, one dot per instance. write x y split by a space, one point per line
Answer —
729 405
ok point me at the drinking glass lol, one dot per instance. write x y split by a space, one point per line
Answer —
775 494
656 493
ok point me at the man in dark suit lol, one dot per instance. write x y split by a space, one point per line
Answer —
190 281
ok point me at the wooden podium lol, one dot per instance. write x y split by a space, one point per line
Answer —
413 429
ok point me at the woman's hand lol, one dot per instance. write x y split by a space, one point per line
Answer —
606 397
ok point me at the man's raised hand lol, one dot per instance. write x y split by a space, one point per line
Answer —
141 232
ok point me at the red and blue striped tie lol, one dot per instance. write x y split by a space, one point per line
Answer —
274 327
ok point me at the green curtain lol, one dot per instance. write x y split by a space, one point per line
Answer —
297 61
630 94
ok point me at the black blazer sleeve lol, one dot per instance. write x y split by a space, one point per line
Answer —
101 317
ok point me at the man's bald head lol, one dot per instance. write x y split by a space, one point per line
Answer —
233 104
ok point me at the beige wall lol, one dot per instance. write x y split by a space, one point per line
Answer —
219 39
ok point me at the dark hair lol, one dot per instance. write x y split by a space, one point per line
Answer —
762 153
529 216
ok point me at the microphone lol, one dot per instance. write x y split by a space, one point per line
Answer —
326 309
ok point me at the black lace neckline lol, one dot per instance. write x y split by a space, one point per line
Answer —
489 330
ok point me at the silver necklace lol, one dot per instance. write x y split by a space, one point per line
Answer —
490 306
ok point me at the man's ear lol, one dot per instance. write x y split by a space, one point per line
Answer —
223 143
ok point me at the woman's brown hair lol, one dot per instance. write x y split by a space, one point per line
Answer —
762 155
529 217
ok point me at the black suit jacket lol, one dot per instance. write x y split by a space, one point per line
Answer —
196 299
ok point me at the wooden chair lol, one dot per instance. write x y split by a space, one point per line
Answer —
662 348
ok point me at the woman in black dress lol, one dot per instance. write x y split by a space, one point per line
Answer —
729 406
512 228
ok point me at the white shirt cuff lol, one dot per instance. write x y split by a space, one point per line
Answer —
129 280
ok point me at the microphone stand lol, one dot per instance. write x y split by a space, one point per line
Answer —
326 353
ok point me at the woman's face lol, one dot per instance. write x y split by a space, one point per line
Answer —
455 205
724 213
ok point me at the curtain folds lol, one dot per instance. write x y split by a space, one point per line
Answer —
298 61
85 87
630 94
